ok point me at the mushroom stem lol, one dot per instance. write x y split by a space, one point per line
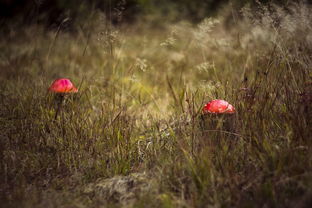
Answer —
60 99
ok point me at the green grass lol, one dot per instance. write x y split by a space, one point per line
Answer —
141 93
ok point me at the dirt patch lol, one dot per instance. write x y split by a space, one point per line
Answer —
122 190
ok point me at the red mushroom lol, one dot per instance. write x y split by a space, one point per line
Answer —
218 106
62 87
217 114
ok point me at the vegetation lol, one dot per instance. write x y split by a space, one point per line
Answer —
139 110
50 12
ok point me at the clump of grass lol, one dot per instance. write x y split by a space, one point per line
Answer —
139 110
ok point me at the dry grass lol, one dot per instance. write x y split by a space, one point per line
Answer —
138 109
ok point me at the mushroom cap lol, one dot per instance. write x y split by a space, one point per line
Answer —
63 86
218 106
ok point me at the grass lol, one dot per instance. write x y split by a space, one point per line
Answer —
141 92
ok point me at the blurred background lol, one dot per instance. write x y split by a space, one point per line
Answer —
51 12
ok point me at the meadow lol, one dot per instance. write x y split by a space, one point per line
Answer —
137 117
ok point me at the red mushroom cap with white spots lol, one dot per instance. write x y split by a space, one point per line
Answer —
218 106
63 86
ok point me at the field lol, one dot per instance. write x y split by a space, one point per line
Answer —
135 135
